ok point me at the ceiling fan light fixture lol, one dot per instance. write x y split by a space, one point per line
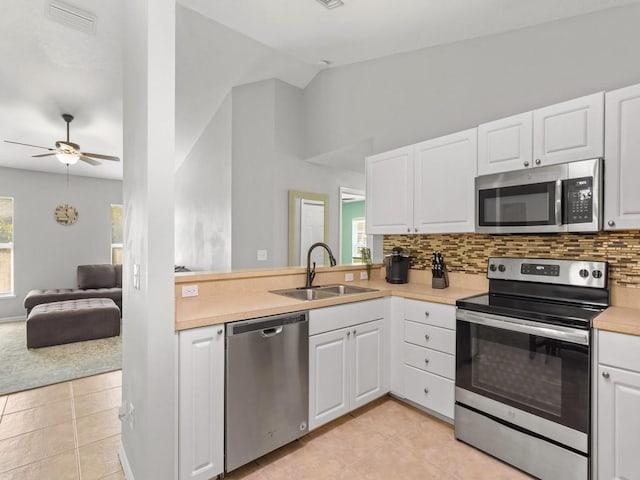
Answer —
331 3
68 158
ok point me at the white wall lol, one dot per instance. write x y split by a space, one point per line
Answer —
203 198
406 98
47 254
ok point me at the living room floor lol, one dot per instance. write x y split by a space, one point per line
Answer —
66 431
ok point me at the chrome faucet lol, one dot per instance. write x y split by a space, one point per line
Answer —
311 272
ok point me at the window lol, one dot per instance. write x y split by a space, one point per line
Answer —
116 234
358 237
6 246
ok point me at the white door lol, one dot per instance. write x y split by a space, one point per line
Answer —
618 424
445 169
622 159
389 192
311 230
367 344
505 144
569 131
328 376
201 403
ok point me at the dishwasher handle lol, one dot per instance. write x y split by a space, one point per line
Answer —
271 332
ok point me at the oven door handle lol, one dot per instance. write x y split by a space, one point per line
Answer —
559 201
564 334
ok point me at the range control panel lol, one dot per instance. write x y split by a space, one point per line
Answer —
564 272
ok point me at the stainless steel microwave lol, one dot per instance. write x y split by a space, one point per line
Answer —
566 197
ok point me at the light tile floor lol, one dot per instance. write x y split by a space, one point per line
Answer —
66 431
70 431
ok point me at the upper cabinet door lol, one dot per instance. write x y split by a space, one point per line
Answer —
505 144
445 169
622 159
569 131
389 204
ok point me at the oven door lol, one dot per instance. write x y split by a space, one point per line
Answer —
525 373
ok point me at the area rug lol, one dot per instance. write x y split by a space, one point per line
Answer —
23 369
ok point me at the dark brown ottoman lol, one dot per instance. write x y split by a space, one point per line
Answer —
72 321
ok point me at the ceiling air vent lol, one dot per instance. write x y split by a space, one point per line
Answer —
331 3
72 17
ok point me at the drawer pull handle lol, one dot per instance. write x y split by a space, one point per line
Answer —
348 334
426 390
605 374
426 314
426 336
426 360
220 331
354 331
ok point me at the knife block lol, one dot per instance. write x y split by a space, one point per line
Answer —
441 282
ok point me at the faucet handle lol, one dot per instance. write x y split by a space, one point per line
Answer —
312 274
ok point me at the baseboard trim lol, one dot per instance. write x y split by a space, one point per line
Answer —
21 318
124 461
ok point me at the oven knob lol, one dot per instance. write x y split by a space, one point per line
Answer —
597 274
584 273
493 267
501 268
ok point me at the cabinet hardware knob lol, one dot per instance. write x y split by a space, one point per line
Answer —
426 390
220 331
348 334
611 223
426 360
408 230
538 161
605 374
355 331
526 163
426 336
426 314
416 230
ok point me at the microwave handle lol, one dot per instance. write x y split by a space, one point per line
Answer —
559 202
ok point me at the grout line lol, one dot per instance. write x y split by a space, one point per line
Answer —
75 432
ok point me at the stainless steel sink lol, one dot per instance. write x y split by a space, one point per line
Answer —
318 293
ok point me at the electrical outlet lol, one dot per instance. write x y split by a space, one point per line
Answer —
262 255
363 275
348 277
189 291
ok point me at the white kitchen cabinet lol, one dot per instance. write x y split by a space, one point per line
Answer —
389 205
201 403
444 173
505 144
423 188
622 159
564 132
347 365
569 131
618 422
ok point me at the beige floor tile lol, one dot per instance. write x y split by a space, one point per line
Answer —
114 476
98 426
99 459
24 421
96 383
34 446
98 401
37 397
60 467
3 401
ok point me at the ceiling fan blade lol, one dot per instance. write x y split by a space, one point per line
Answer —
90 161
30 145
100 156
44 155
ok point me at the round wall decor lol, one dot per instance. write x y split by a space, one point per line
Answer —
66 214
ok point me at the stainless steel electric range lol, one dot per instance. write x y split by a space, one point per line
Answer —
523 364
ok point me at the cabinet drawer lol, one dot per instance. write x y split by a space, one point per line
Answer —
619 350
429 360
429 336
430 313
346 315
430 391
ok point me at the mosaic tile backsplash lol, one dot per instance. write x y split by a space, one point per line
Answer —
468 252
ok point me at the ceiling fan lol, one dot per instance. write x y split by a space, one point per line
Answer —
68 152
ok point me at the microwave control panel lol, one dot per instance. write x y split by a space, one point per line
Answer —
578 200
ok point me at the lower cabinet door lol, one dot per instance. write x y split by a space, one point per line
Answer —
201 403
328 376
430 391
367 368
618 424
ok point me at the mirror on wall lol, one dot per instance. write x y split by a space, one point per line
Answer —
308 223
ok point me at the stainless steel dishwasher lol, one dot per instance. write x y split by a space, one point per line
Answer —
267 385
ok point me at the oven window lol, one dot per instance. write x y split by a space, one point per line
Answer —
519 205
543 376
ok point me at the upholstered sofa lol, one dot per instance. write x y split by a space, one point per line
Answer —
94 281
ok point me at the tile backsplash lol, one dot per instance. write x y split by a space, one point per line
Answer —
468 252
